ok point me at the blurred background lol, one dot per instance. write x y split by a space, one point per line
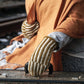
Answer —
12 14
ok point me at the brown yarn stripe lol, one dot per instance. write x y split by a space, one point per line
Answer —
29 66
46 51
32 31
42 50
29 30
41 57
34 57
38 68
34 66
42 68
36 54
28 25
28 36
49 56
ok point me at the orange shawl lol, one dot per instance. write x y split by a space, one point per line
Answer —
65 16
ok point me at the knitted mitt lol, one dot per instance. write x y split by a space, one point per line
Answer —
40 59
29 30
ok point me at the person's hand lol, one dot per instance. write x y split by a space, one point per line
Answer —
40 59
29 30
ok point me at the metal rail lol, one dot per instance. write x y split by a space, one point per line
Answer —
10 26
12 3
12 14
56 77
17 16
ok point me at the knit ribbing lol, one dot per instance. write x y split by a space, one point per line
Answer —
41 57
29 30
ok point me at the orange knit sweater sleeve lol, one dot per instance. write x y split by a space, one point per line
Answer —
30 10
73 24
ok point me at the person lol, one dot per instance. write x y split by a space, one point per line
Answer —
51 26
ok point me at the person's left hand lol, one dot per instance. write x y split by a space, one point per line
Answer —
40 59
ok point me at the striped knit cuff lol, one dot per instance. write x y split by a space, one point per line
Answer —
29 30
41 57
36 68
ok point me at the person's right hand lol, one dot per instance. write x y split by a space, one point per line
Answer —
29 30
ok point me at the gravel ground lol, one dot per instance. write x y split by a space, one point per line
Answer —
5 40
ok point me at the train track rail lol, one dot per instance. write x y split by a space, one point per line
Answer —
10 26
11 3
12 14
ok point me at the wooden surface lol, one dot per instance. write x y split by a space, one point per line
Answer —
56 77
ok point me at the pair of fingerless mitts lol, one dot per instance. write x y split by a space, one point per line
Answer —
40 59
